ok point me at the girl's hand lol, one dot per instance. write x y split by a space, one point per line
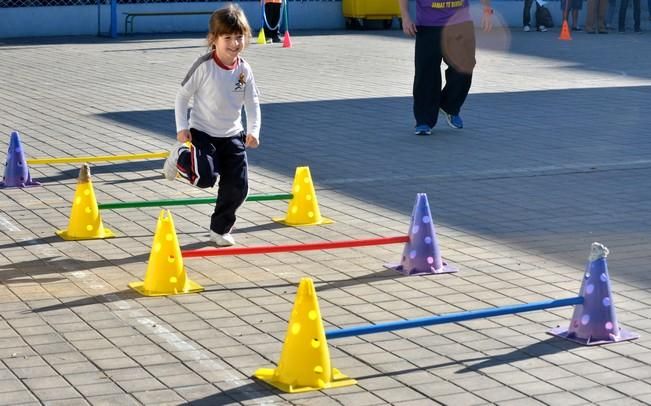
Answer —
251 141
183 136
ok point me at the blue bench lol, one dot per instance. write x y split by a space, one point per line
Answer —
130 17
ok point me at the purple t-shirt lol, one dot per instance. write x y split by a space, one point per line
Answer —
438 13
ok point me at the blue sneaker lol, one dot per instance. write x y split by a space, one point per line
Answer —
423 129
454 121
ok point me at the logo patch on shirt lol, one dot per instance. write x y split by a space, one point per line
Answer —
447 4
240 84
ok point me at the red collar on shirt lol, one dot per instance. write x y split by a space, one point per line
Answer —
222 65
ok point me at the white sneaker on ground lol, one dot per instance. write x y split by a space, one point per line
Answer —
169 168
222 240
542 28
526 28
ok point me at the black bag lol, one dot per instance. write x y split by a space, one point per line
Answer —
544 17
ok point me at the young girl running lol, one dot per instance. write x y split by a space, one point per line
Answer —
212 143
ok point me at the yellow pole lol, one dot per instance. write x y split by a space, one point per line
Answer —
81 159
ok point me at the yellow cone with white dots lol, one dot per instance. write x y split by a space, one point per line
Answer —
305 359
165 273
303 209
85 221
261 38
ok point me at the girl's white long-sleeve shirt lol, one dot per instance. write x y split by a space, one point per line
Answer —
218 96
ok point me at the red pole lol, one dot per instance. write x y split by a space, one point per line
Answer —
209 252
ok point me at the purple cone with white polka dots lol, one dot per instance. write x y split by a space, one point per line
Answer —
16 171
421 254
595 322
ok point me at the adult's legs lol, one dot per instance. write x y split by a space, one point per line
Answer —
526 12
277 17
591 20
272 12
536 13
601 15
565 11
233 182
459 55
610 14
636 14
575 18
427 76
623 5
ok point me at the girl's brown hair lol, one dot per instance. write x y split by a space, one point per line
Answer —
228 20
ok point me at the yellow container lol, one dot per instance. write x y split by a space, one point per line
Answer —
356 11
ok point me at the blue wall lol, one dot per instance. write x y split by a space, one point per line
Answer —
84 20
303 14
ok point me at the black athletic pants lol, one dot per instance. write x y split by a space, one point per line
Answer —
455 45
229 160
272 11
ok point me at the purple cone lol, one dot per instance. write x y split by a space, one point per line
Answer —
16 170
595 322
421 254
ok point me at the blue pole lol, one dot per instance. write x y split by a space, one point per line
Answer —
114 18
286 13
450 318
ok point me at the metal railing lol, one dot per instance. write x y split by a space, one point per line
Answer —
47 3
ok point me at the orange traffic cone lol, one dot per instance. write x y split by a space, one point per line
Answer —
565 32
287 40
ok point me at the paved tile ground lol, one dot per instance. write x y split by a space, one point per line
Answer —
555 155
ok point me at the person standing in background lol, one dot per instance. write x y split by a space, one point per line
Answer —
444 31
574 6
272 19
596 19
610 14
622 16
526 17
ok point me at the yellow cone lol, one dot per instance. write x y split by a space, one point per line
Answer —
261 37
305 360
303 209
85 221
165 272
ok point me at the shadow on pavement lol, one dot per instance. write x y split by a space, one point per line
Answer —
109 168
523 186
16 272
245 394
536 350
126 294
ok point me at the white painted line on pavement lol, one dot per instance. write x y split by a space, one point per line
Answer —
7 225
79 274
193 352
